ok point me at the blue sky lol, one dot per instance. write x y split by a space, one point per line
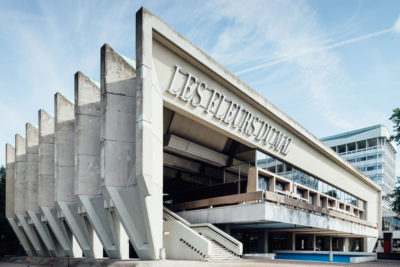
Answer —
331 65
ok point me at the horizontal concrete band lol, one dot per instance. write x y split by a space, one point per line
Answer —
270 212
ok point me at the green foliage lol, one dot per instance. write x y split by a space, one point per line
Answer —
8 241
395 118
394 199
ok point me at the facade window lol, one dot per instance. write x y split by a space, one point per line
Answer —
263 183
361 159
279 186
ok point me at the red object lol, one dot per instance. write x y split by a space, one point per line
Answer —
27 262
386 246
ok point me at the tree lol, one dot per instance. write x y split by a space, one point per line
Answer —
394 197
8 241
395 118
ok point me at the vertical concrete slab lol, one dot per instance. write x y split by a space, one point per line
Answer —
46 186
118 102
10 199
20 158
31 175
64 173
31 189
149 134
87 174
20 198
10 176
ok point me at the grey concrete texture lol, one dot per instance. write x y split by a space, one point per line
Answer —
64 149
31 172
46 190
63 262
87 136
20 160
118 105
10 180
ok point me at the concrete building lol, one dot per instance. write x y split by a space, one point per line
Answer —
177 156
373 153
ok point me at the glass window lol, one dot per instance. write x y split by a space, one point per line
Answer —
351 146
279 186
263 183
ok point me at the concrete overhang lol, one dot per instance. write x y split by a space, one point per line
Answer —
265 212
178 44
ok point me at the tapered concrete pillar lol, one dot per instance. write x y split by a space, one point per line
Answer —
88 184
21 198
31 189
118 138
10 200
46 185
64 175
149 135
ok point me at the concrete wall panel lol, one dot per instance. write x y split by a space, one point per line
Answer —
87 136
64 149
46 160
20 159
118 118
31 176
10 180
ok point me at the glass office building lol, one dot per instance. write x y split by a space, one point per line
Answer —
371 151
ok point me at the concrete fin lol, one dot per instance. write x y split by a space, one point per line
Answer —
40 250
115 68
10 180
20 158
21 237
46 187
63 237
44 234
77 226
101 221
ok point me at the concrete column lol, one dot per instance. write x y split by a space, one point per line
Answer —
10 200
20 197
64 127
46 186
314 242
265 241
31 176
293 241
228 228
88 184
346 244
149 136
10 176
330 249
20 158
118 138
31 189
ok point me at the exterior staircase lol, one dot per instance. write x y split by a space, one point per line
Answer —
202 241
219 252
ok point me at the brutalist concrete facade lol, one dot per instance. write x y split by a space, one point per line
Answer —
92 177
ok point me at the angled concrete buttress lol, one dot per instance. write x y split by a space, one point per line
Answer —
88 184
46 186
149 133
21 199
31 189
64 172
10 214
126 191
117 137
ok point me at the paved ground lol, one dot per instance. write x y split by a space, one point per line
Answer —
169 263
